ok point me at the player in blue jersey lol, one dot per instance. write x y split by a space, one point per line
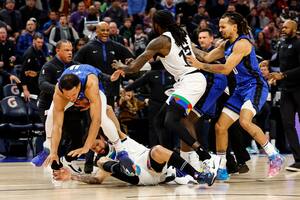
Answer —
251 88
80 83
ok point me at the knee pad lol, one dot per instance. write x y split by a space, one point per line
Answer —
157 167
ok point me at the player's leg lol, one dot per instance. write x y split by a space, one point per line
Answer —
160 156
111 133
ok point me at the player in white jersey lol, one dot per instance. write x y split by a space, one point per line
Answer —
153 165
172 46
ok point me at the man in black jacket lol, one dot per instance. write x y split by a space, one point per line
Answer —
289 62
33 60
100 53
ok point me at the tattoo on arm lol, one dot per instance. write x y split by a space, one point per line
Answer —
213 68
86 179
199 54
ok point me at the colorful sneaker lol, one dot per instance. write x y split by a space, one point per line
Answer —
222 174
275 165
205 178
40 158
127 164
212 165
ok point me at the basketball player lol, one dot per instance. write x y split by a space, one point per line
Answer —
153 165
172 46
79 83
251 89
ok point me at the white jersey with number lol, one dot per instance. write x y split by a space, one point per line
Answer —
175 62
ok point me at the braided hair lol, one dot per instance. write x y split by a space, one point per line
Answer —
240 21
166 21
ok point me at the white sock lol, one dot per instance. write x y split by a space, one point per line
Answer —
269 149
47 143
118 145
223 160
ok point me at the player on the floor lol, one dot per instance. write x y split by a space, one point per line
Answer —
153 164
80 83
251 88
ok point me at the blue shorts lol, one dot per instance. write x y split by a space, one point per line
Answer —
216 84
256 93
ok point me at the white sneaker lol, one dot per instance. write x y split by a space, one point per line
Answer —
194 160
212 165
187 179
75 169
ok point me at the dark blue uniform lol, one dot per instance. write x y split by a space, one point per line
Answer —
250 84
83 71
216 84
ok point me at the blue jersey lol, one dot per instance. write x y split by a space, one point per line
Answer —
247 71
83 71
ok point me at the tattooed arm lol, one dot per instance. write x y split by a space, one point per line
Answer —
64 174
159 46
89 179
240 50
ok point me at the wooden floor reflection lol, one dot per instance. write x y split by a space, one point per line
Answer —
23 181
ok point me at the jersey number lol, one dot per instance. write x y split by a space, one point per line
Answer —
185 51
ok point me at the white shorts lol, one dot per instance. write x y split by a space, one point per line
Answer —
188 90
140 155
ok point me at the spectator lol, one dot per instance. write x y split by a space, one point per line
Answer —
253 20
87 26
201 14
116 13
169 5
33 60
127 31
140 40
114 33
62 32
11 17
263 19
80 43
263 48
25 39
78 15
52 23
29 11
7 52
129 107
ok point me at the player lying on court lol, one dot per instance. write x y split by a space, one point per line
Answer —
153 165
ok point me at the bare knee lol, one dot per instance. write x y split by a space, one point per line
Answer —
245 124
220 128
157 151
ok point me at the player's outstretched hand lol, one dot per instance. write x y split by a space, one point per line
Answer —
78 152
117 64
63 174
49 160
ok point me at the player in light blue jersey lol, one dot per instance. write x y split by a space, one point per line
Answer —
251 89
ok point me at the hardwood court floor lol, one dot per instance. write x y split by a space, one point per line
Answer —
23 181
